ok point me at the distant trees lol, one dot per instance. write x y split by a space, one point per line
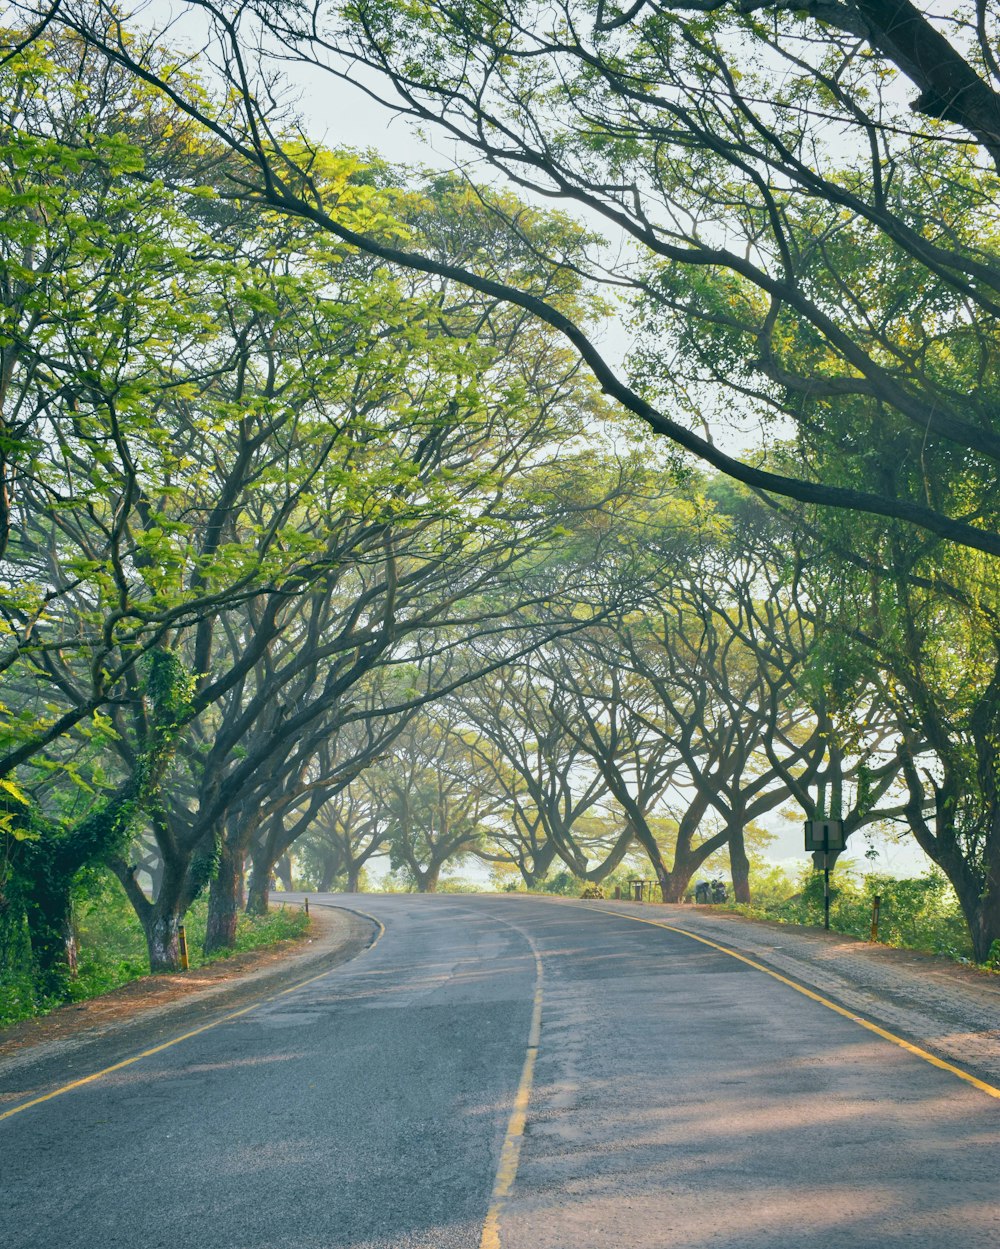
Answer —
436 803
687 716
554 802
912 628
348 830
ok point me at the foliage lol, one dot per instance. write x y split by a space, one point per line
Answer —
505 877
239 443
562 883
918 913
113 949
745 157
770 885
458 884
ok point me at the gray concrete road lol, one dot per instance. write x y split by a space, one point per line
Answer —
679 1099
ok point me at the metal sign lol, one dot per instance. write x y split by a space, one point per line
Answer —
826 836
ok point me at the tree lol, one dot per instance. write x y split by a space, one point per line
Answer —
92 264
736 196
548 785
39 872
203 531
914 626
113 320
380 454
557 799
347 831
434 799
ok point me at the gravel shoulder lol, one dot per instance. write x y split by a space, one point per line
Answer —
147 1009
949 1010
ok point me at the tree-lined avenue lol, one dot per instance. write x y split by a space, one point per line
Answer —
680 1097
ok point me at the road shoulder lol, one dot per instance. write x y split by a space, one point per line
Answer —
153 1006
952 1011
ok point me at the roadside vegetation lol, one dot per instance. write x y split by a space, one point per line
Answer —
917 913
112 950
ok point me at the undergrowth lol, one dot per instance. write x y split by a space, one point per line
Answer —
921 913
112 950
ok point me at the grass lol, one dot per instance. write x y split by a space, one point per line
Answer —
921 913
112 950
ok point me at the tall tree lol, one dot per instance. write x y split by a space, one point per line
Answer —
914 626
665 121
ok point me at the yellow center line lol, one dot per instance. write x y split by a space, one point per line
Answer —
510 1154
989 1089
157 1049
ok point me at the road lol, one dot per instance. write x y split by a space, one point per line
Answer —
676 1097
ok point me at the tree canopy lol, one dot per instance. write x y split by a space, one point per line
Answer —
324 513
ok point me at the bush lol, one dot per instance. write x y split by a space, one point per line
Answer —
563 883
920 913
592 891
916 913
112 949
771 885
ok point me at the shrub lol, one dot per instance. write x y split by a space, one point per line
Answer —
563 883
916 913
112 950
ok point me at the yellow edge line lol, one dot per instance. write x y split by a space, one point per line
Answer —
989 1089
510 1154
157 1049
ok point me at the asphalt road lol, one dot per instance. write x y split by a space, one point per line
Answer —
679 1098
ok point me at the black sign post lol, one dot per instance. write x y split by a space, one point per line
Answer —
825 837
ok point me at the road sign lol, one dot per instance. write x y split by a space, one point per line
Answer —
824 835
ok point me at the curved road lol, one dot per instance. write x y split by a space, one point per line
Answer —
676 1097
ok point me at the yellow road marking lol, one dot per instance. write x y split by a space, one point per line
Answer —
510 1154
989 1089
157 1049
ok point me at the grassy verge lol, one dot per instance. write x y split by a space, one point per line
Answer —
113 950
915 914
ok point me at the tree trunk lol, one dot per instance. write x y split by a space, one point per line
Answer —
687 861
672 885
53 941
354 871
976 885
427 882
621 847
161 919
330 864
283 871
980 901
225 899
15 946
739 864
984 926
162 941
259 894
541 860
